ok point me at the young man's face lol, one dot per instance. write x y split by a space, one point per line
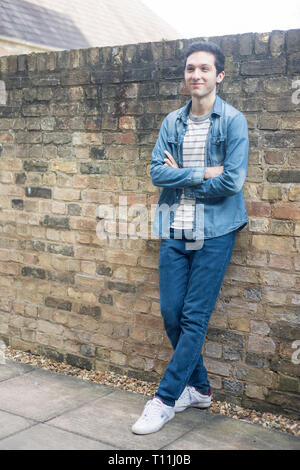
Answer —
201 75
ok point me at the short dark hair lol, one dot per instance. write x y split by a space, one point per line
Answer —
211 47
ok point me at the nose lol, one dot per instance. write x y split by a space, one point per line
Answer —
197 74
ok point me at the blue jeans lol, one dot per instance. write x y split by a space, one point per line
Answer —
189 284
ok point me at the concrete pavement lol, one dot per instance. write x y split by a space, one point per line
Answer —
41 410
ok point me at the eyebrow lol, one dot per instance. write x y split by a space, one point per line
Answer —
191 64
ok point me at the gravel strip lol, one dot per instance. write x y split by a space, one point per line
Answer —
267 420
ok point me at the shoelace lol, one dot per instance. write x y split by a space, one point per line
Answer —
153 407
186 393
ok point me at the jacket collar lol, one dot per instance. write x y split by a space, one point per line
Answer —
217 109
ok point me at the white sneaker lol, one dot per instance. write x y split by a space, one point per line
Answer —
190 397
153 418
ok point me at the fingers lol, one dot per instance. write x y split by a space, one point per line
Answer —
170 161
169 156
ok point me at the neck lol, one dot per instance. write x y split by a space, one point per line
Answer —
203 105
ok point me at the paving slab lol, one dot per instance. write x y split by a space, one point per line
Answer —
13 369
224 433
112 418
40 409
41 394
10 424
43 437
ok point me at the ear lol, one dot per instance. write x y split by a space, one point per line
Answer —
220 77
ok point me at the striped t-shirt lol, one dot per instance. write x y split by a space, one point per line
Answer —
193 155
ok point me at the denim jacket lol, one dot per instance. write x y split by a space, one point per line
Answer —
220 205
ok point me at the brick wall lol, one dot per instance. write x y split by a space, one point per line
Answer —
76 132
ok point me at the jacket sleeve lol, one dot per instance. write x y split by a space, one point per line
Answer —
165 176
235 164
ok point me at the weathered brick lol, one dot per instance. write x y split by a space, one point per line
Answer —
103 270
93 168
258 224
258 344
281 140
121 287
17 204
226 337
255 375
277 42
74 209
119 138
61 277
286 331
286 211
254 359
83 224
98 153
274 157
239 323
273 244
87 138
38 192
279 227
294 193
8 268
261 43
289 384
58 303
56 222
213 349
258 208
219 368
33 272
234 387
66 194
231 354
92 311
269 121
253 294
269 66
60 249
105 299
64 167
77 361
127 122
34 245
283 176
271 192
127 259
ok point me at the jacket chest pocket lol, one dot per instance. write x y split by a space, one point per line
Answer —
217 150
173 144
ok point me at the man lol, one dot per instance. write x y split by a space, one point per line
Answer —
200 160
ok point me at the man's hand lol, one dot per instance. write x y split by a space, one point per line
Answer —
212 171
170 161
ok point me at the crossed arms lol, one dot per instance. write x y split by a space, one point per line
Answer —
201 182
